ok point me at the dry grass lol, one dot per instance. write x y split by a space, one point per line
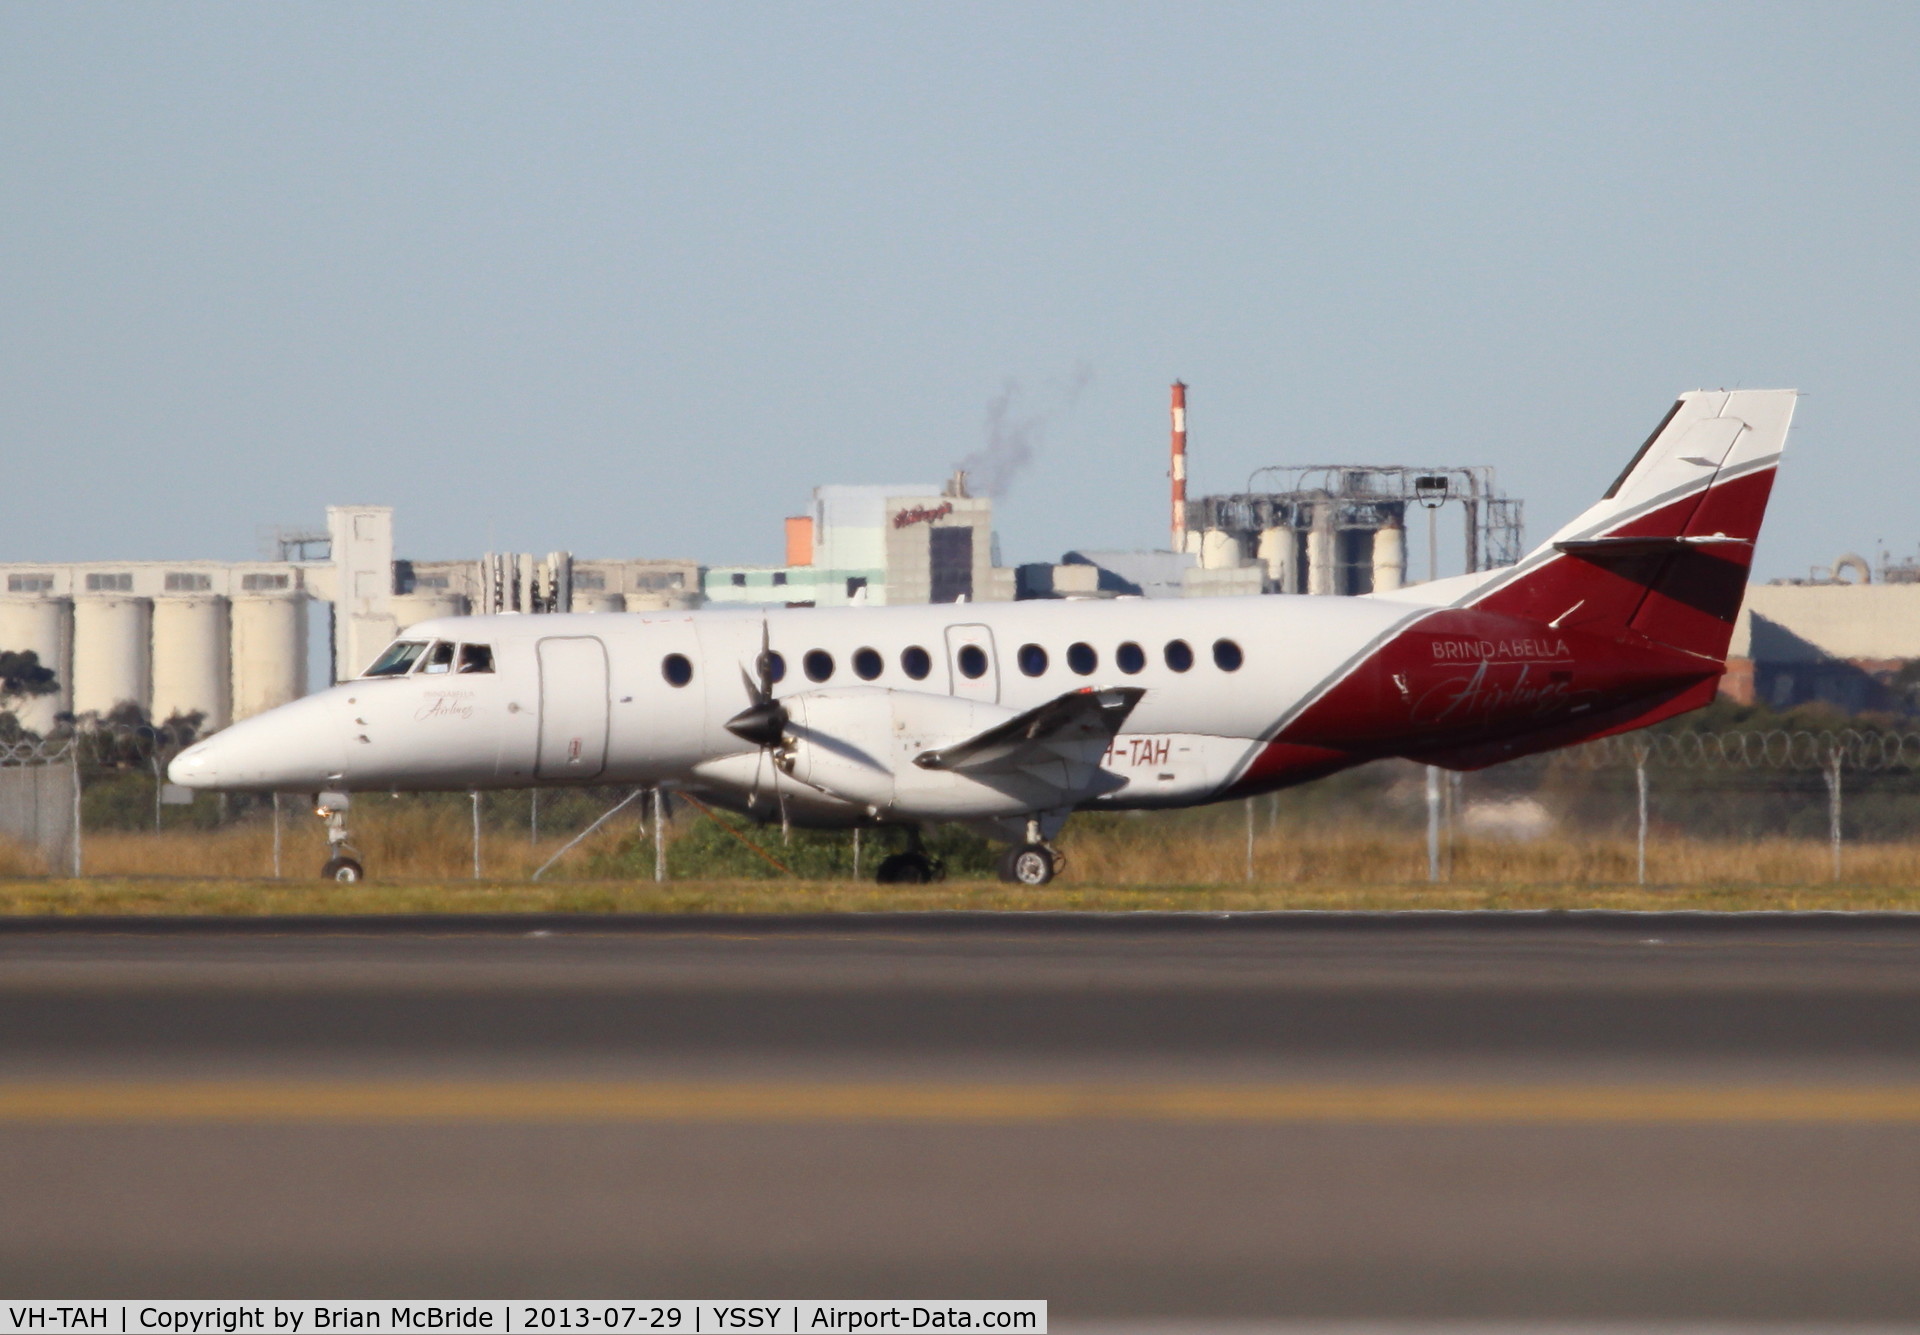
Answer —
423 861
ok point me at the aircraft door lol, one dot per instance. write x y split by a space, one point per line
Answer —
573 708
975 668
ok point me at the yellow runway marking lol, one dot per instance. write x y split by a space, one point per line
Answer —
991 1104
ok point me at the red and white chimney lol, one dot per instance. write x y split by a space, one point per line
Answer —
1179 470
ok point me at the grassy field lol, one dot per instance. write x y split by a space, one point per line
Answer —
421 859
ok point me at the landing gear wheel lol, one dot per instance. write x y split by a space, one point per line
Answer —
906 869
1030 864
344 870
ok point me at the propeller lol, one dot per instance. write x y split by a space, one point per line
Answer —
764 721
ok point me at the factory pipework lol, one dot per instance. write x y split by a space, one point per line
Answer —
1179 470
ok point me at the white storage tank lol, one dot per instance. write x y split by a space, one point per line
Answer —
1280 554
112 660
1389 558
192 673
1220 550
45 626
1322 563
410 609
269 652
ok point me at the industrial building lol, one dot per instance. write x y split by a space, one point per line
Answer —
227 640
878 545
1829 640
1328 529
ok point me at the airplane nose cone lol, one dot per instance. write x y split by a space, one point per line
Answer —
193 767
298 747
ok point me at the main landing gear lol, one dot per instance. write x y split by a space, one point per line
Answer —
912 867
1033 863
343 861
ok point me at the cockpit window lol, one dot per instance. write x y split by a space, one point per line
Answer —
476 658
398 659
440 657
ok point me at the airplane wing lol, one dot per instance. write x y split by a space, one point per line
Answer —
1066 728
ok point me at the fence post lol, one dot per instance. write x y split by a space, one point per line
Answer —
1640 752
1249 839
276 836
475 795
74 760
659 834
1433 822
1834 759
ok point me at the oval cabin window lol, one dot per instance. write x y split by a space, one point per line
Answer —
867 663
1033 660
819 664
676 669
1179 655
1130 657
916 662
1227 656
972 660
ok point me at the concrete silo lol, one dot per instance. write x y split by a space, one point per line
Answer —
192 668
45 626
112 652
1389 558
269 651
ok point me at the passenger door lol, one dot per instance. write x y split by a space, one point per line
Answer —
968 647
573 708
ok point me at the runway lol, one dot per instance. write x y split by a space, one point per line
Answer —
1516 1119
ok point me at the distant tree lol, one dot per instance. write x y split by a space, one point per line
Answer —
22 677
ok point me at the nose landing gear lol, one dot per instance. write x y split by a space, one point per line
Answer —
343 861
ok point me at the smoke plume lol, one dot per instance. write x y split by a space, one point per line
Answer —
1016 428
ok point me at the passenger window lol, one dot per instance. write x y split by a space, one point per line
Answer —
776 667
819 664
676 669
399 657
1130 657
1227 656
1082 659
916 662
1179 655
1033 660
476 658
867 663
973 661
440 657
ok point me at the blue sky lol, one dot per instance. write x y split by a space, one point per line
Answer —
631 279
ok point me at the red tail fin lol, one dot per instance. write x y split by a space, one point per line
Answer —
1664 556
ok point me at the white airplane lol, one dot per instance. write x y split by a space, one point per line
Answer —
1010 716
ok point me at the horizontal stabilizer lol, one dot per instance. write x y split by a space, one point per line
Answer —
1088 715
1601 549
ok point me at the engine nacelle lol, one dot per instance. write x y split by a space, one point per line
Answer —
859 744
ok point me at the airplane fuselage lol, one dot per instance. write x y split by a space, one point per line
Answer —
1240 694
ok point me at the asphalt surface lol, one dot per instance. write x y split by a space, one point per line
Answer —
1523 1119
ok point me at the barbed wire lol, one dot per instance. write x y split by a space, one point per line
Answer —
1775 748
